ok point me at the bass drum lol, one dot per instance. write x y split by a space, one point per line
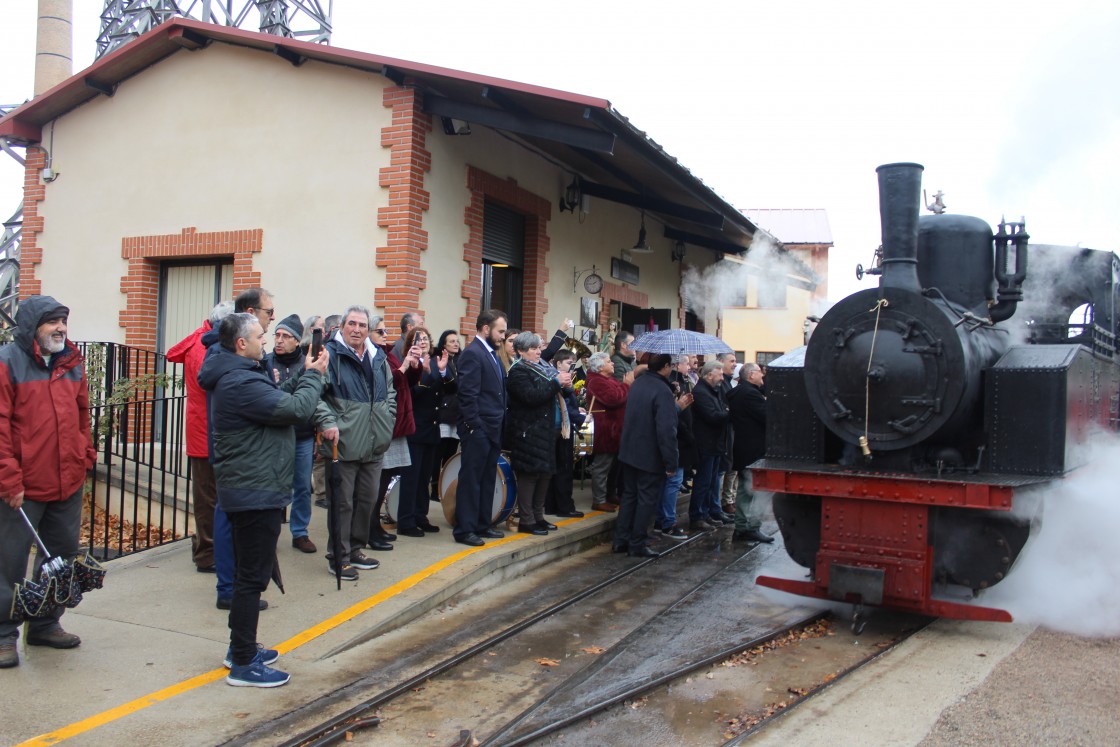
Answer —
505 489
392 501
583 445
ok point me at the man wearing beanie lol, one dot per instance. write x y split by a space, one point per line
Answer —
45 452
285 363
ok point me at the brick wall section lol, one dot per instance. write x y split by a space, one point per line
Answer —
622 293
537 211
403 218
30 252
144 253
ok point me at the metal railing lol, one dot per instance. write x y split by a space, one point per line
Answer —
139 496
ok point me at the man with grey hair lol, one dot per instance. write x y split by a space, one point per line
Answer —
710 420
357 414
748 416
190 351
728 477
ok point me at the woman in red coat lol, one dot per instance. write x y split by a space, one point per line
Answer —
606 398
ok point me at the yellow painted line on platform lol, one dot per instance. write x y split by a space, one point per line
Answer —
105 717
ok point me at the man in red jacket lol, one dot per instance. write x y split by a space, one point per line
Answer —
190 351
45 452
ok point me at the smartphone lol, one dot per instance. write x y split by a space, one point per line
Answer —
316 343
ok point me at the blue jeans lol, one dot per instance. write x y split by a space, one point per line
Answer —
705 488
300 512
667 512
223 553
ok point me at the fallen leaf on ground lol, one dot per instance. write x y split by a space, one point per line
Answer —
547 662
592 649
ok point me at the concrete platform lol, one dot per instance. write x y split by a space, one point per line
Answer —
149 669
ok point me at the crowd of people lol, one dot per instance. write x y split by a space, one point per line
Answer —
335 415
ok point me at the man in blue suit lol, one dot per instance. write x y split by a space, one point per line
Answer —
482 408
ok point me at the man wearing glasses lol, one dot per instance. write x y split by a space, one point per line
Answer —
258 302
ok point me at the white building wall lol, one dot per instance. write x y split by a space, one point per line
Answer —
220 139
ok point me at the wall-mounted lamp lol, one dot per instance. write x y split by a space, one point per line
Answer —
454 126
642 247
678 251
570 200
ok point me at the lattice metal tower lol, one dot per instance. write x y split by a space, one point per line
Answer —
124 20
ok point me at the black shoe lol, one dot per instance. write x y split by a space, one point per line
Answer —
362 563
471 539
492 533
618 548
536 529
321 503
700 525
570 514
410 531
719 519
224 604
751 535
429 528
546 525
383 536
55 638
644 552
376 544
206 568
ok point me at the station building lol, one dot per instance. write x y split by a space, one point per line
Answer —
199 160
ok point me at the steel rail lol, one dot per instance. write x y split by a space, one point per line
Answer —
335 728
497 738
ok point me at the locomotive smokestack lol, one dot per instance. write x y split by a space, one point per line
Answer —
53 44
900 190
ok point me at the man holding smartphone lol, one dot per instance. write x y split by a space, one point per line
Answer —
285 364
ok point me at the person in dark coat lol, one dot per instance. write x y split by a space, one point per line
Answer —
559 500
537 417
448 405
648 453
748 417
482 410
423 442
254 453
666 521
710 420
285 363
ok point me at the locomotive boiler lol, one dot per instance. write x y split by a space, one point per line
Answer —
901 439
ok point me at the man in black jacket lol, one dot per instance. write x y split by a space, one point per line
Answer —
254 450
651 413
748 417
711 428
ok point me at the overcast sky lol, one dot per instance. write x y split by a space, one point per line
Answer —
1013 107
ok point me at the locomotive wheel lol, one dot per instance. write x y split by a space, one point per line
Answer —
799 519
975 549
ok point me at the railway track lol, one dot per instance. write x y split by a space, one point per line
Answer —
636 626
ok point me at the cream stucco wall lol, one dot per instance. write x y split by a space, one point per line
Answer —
575 242
221 139
227 138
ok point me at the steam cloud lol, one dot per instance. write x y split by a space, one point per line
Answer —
1069 572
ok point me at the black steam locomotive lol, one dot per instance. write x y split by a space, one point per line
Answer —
902 438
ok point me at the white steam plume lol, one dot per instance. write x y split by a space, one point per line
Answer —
1068 576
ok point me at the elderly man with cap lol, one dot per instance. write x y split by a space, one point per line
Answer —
285 363
45 452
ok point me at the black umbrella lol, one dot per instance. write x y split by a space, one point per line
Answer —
334 487
61 582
